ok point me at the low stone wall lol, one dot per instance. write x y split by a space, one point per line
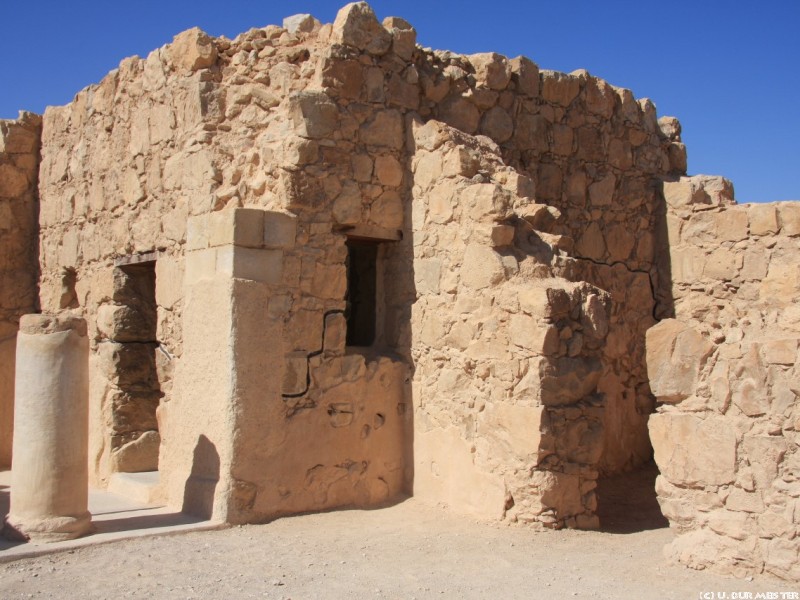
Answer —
19 168
725 372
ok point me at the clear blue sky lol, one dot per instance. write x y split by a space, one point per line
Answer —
728 70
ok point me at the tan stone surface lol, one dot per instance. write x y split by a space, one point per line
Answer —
49 478
19 165
727 363
531 227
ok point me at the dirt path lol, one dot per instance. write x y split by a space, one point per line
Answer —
405 551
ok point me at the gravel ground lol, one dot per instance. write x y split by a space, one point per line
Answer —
405 551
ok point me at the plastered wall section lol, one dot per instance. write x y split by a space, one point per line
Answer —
19 166
257 454
725 371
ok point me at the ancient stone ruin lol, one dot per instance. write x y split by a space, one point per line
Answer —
320 266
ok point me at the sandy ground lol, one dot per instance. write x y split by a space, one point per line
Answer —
405 551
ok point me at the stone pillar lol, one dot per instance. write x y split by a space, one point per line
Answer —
49 479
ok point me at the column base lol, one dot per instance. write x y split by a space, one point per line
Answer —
47 530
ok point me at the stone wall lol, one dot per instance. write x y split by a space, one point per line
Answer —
19 166
519 230
314 126
725 372
123 166
597 154
508 421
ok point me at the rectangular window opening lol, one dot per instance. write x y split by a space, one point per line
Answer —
362 291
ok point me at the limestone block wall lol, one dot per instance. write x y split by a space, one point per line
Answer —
597 154
313 126
19 165
316 126
374 86
123 166
725 372
507 354
285 145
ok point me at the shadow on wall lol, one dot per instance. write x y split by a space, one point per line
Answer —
5 500
661 273
198 494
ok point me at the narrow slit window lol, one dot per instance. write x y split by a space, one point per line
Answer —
361 292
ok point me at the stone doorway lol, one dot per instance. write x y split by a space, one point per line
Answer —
136 391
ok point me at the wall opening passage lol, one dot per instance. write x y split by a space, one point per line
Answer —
135 439
362 292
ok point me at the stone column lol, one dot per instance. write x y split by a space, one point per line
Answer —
49 478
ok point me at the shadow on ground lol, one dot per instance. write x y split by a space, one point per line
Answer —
627 502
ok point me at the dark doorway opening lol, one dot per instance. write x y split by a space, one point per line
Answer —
135 439
627 502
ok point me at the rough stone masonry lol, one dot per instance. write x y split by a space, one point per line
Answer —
323 266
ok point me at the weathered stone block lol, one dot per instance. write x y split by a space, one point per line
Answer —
280 230
335 333
511 430
387 211
404 36
482 267
690 450
780 352
192 49
592 243
687 264
357 26
313 114
137 456
169 282
533 335
531 132
427 275
559 88
264 266
303 23
763 219
676 354
731 224
388 170
17 139
460 113
348 206
491 70
131 366
240 226
304 331
200 264
790 218
723 264
526 75
568 380
497 124
385 129
486 201
126 323
599 97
